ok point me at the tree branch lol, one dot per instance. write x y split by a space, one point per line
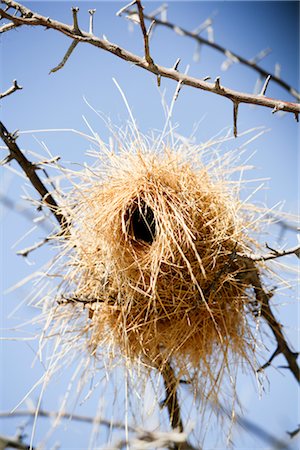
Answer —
145 33
30 169
30 18
11 90
252 63
65 415
273 254
171 399
263 300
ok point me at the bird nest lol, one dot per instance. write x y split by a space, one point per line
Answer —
151 253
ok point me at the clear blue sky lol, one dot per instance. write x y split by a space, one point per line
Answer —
56 101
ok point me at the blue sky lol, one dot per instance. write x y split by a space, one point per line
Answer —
56 101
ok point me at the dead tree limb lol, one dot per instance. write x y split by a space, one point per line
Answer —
228 53
30 18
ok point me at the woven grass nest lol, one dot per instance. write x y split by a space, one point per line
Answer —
151 255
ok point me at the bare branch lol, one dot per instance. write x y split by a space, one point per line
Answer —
11 90
25 252
263 300
34 19
171 401
65 415
65 58
234 56
30 170
274 254
145 33
8 27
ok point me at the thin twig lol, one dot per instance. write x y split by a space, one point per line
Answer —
30 170
25 252
38 20
237 58
65 58
65 415
274 254
11 90
145 33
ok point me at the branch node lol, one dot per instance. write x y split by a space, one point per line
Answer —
279 107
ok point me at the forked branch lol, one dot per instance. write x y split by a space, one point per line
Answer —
234 57
263 302
30 18
30 170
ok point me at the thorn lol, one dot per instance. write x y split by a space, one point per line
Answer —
264 88
235 115
158 80
217 83
206 78
150 27
175 67
297 116
278 107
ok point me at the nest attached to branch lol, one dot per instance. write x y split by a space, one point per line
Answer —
152 255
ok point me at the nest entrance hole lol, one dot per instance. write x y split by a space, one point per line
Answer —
141 222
